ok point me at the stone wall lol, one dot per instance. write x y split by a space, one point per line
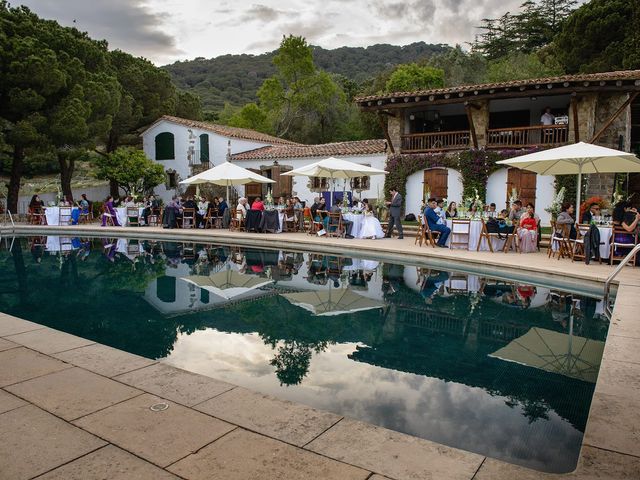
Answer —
395 129
586 107
480 117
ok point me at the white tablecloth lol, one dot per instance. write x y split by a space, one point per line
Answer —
59 244
121 214
475 229
356 218
605 241
53 215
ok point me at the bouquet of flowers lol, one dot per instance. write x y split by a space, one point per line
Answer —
475 201
556 204
268 199
514 196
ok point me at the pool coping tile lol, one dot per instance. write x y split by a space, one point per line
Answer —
104 360
47 340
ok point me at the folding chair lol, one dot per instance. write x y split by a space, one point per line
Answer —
577 244
211 218
64 216
133 216
188 218
630 241
559 241
512 240
236 223
460 228
335 225
108 218
486 236
290 220
155 217
37 216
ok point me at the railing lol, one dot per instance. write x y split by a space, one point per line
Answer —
607 283
194 157
544 135
429 142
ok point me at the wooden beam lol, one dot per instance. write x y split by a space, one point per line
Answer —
608 123
472 126
574 111
385 129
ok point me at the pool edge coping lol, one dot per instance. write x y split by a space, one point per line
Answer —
628 301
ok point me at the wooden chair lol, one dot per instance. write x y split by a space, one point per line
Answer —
108 218
133 216
425 234
512 240
155 217
631 240
577 244
559 241
335 225
460 227
211 219
315 226
37 216
64 216
237 224
420 234
188 218
86 217
487 236
290 220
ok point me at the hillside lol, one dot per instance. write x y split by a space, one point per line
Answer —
236 78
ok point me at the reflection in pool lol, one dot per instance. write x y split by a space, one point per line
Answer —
503 369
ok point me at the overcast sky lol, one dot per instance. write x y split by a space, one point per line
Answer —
168 30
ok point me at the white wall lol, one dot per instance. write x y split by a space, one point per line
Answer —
217 150
300 188
497 189
497 193
414 188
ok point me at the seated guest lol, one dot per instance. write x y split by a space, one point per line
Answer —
627 218
452 210
281 202
348 224
172 212
441 212
504 214
257 204
492 213
203 205
129 202
109 210
432 218
35 204
318 211
222 206
594 210
190 202
297 204
528 232
241 209
565 217
516 211
151 205
84 204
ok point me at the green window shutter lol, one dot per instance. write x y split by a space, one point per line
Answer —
165 146
204 147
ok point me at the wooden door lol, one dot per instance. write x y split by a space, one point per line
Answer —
252 190
435 181
524 182
284 184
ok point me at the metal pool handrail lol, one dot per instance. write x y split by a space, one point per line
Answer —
607 283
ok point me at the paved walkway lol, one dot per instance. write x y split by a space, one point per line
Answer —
74 409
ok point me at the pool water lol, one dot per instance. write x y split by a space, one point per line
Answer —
503 369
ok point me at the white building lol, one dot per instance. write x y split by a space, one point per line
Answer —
186 147
273 160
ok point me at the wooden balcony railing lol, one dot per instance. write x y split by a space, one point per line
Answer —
539 135
429 142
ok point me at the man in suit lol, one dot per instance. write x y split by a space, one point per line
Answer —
432 219
395 205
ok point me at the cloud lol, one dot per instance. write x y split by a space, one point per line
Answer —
127 25
262 13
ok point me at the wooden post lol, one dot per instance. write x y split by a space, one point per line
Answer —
631 98
472 127
383 124
574 111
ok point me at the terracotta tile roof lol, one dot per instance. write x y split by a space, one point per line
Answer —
627 76
360 147
224 130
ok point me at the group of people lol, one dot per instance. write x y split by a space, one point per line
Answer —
36 206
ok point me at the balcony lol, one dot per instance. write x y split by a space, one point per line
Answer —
436 141
536 136
196 159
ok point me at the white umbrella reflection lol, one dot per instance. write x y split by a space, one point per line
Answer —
332 301
228 283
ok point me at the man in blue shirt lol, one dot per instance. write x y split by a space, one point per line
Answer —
431 217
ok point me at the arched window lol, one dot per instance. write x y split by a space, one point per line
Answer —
165 146
204 148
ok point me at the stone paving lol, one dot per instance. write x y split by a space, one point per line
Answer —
74 409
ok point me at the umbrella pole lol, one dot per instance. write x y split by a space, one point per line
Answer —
578 193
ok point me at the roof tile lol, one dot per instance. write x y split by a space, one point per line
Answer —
360 147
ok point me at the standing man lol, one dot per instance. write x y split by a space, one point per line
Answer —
395 205
547 117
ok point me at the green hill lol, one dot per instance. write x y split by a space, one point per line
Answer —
236 78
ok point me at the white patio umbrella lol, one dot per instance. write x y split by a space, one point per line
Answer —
569 355
332 301
226 174
576 159
334 168
227 283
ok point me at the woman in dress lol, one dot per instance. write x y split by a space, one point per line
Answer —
109 211
528 233
452 211
626 218
565 217
371 227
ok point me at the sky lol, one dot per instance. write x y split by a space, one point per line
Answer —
165 31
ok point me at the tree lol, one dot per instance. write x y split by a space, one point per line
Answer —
302 103
460 67
406 78
598 37
250 116
519 66
131 169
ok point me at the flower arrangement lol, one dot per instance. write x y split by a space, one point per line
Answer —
584 206
472 201
268 199
514 196
556 204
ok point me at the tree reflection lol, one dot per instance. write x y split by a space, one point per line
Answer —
293 359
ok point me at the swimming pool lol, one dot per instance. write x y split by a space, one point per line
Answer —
502 369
